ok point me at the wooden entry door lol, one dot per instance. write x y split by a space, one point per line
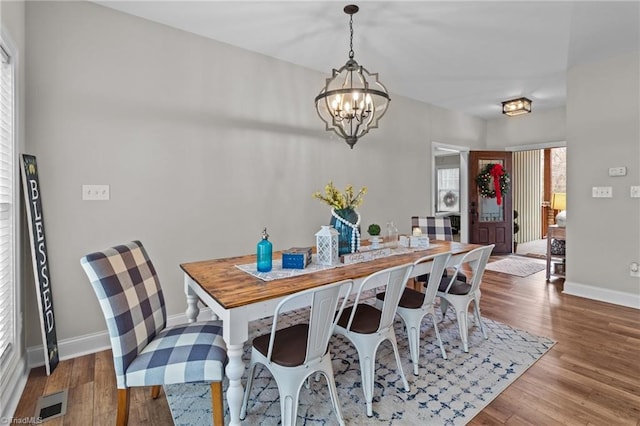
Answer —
490 222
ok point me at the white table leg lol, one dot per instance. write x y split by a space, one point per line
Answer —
192 304
235 392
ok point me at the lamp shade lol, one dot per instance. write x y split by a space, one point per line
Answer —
559 201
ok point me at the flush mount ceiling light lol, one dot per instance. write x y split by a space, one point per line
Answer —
352 100
516 107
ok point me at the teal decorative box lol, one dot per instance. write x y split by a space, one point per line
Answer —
296 258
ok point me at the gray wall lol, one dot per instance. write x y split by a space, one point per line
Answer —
600 125
540 127
603 130
202 143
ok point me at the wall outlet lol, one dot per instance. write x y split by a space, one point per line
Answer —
635 192
634 269
602 192
618 171
95 192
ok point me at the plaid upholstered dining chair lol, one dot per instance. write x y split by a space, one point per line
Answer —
436 228
145 351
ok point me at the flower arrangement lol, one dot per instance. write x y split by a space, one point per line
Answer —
338 200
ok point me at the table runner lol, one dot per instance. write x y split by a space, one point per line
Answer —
277 272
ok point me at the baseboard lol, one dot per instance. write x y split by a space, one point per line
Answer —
602 294
95 342
14 386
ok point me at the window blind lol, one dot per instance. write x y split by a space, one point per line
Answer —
7 284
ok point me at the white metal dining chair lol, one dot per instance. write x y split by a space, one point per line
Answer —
366 326
292 354
415 305
460 294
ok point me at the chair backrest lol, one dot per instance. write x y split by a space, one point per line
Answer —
131 299
438 265
476 260
436 228
323 302
394 280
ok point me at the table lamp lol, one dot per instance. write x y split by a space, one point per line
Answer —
559 202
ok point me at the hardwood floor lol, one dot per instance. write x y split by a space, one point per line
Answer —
590 377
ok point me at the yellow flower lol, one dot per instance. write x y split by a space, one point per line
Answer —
339 200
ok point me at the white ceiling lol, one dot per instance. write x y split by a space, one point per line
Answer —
465 56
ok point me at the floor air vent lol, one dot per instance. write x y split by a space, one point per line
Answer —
52 405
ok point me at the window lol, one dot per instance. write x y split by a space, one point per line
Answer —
7 209
448 188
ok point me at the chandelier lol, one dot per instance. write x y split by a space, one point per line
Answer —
352 100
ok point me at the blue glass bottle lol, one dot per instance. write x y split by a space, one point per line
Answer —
264 254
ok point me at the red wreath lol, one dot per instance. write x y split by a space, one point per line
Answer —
496 172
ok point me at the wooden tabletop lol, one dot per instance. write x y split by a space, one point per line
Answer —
232 288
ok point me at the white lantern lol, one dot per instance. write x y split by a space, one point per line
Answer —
327 246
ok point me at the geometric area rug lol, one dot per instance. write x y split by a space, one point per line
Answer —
446 392
516 265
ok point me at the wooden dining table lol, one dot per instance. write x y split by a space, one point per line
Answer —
237 297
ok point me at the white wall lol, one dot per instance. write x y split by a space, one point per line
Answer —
202 143
603 130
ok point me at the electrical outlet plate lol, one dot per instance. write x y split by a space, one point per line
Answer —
618 171
634 269
95 192
602 192
635 192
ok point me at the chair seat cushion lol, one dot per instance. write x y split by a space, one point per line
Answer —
425 278
410 299
289 346
365 321
458 287
181 354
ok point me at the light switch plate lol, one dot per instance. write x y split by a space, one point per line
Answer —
602 192
95 192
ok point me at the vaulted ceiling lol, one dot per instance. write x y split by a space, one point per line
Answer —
464 56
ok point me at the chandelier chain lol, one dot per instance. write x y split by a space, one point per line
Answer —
351 37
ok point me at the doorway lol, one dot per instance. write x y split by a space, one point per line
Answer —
449 187
538 173
490 200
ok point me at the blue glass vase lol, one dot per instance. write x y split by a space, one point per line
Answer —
345 231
